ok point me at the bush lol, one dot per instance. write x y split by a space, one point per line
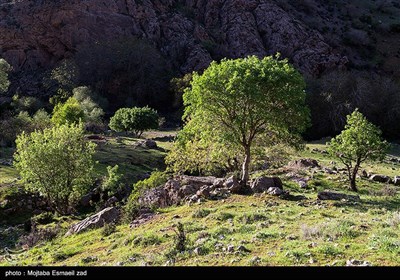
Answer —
135 120
112 182
57 162
4 82
108 229
43 218
68 112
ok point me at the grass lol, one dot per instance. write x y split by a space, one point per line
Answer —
274 231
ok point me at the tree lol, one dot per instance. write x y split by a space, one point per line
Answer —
68 112
245 101
358 142
56 162
92 111
4 82
134 119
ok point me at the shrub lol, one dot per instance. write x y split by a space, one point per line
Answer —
57 162
68 112
136 120
108 229
43 218
112 182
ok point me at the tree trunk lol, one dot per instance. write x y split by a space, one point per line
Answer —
245 166
353 184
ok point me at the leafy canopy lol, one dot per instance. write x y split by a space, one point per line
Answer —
68 112
239 103
134 119
56 162
358 142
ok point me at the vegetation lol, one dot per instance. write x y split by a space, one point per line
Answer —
56 162
68 112
238 103
4 82
359 142
136 120
112 182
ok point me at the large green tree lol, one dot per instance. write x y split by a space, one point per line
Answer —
56 162
358 142
4 82
240 102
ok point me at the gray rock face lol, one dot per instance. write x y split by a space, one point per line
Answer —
106 216
329 195
232 184
380 178
188 36
262 184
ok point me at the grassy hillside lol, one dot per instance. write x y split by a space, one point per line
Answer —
244 230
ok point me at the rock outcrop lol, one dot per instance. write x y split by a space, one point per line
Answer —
38 34
105 216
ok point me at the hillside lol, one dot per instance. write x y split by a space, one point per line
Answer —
315 35
243 230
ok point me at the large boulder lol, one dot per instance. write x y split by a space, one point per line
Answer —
329 195
105 216
157 197
380 178
275 191
147 143
197 181
262 184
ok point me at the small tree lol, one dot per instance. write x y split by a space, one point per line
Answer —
56 162
358 142
136 120
242 102
4 82
68 112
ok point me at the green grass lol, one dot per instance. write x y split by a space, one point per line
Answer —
276 231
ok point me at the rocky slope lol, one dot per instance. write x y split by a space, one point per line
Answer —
38 34
316 35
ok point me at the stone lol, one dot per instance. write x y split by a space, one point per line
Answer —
147 143
204 192
380 178
353 262
157 197
105 216
396 180
111 201
262 184
243 249
330 195
303 184
231 183
230 249
304 163
365 174
275 191
197 251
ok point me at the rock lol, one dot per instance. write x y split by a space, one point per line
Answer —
54 30
275 191
106 216
219 182
380 178
329 195
365 174
230 249
187 190
147 143
204 192
111 201
232 184
262 184
243 249
198 251
197 181
396 180
157 197
353 262
303 184
304 163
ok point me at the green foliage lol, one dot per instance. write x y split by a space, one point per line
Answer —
41 120
43 218
68 112
56 162
243 104
134 119
156 179
26 103
112 182
4 82
93 113
358 142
